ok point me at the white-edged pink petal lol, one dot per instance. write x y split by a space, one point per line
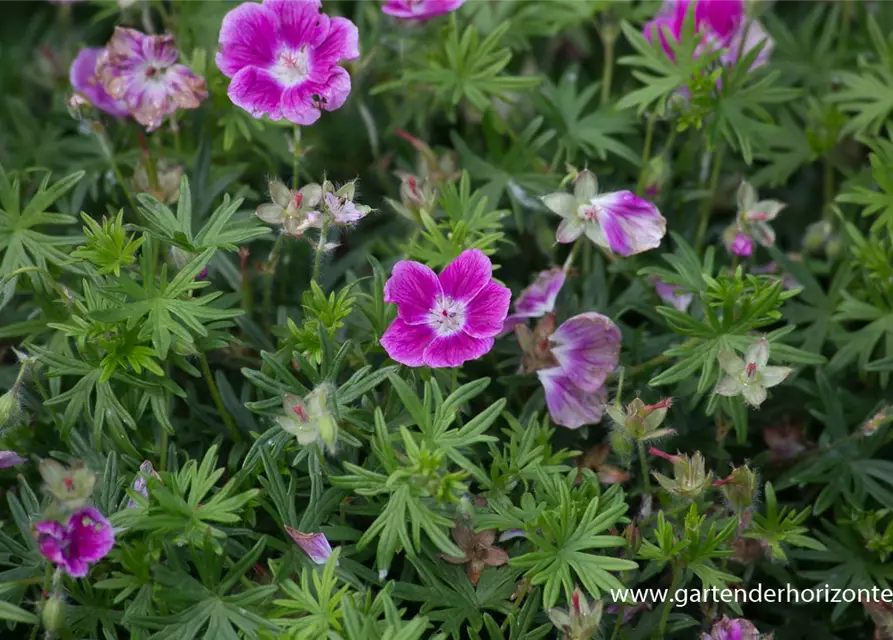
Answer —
539 298
247 39
587 348
631 224
570 406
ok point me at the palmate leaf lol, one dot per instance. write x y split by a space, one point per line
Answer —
565 538
878 199
21 244
223 230
580 129
868 94
464 67
167 307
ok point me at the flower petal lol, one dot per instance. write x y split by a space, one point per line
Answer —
486 312
256 91
456 349
10 459
773 376
247 39
271 213
630 223
416 10
587 348
568 405
299 22
747 197
298 106
730 363
564 204
91 536
413 287
464 277
495 557
585 187
569 230
729 387
341 43
511 321
758 353
539 298
336 89
406 343
755 394
315 545
84 81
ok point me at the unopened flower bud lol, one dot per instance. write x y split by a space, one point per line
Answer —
54 614
833 248
633 536
656 176
71 487
639 421
690 478
623 447
9 406
817 236
739 488
581 620
167 184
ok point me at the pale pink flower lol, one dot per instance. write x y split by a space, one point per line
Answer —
142 72
86 83
538 299
445 320
283 56
315 545
621 221
419 10
84 540
672 295
572 364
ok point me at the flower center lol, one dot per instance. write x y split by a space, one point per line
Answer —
292 67
589 212
750 371
447 316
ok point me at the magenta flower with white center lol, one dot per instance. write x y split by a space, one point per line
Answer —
75 545
620 221
419 10
722 24
538 299
672 295
572 364
445 320
283 57
315 545
86 83
142 72
10 459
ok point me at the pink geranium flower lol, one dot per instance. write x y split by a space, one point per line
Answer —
142 72
538 299
572 364
84 540
85 82
283 58
418 10
445 320
721 23
620 221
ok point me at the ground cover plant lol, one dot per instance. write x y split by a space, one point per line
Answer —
444 319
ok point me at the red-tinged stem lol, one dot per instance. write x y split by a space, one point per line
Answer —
663 454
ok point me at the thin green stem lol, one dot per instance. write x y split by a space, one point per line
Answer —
269 275
296 159
646 153
607 69
643 464
618 623
662 629
659 360
46 398
828 184
707 204
162 462
320 250
47 577
109 154
218 401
